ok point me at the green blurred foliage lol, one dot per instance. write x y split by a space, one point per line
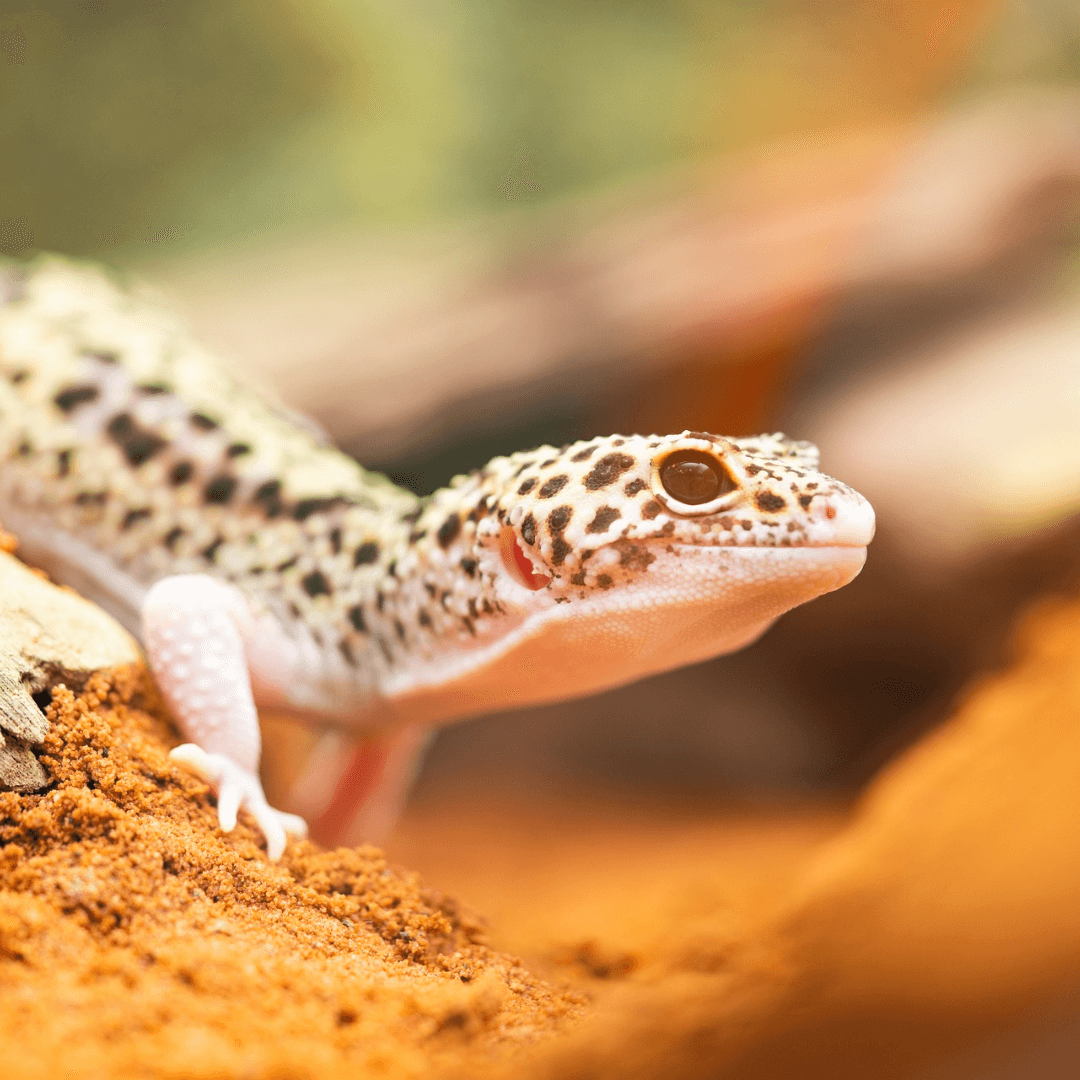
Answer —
173 123
191 121
104 102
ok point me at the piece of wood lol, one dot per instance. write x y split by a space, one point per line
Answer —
48 635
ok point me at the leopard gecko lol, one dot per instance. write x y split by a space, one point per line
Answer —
261 567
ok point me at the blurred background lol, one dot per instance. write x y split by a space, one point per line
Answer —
449 231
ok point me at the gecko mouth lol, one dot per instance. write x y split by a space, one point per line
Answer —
518 565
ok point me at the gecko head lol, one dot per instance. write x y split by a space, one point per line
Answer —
618 557
609 513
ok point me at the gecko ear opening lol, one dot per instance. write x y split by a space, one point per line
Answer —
517 563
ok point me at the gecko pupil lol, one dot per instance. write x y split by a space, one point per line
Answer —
693 477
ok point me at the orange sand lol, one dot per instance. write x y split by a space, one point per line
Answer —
136 940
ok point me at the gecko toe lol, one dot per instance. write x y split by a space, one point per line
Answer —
237 788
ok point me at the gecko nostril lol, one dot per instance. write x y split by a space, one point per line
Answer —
694 477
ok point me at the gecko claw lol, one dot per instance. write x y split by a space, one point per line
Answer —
236 787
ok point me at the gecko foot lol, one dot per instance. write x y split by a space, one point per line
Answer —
236 788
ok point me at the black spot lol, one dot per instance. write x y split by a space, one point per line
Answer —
636 558
347 654
63 463
635 486
392 568
75 396
553 486
753 470
269 494
417 535
25 448
578 578
171 537
203 422
701 435
154 388
559 518
604 581
472 608
181 473
399 629
423 618
315 584
209 553
335 541
747 525
138 444
805 501
488 609
479 510
92 498
237 449
469 566
220 489
384 648
367 552
413 516
607 470
528 530
559 550
20 376
288 564
584 455
356 617
431 590
651 509
604 517
102 356
468 624
770 502
547 464
448 531
527 485
306 507
132 517
380 601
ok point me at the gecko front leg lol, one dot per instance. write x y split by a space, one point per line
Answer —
193 634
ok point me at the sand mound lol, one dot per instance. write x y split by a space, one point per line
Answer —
135 938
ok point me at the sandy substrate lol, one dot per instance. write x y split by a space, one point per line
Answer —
932 923
136 940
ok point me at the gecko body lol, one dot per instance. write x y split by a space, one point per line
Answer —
260 566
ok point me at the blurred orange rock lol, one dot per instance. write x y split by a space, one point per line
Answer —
944 913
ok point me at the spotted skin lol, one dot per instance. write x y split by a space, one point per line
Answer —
131 458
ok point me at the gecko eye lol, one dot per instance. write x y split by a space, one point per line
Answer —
694 477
